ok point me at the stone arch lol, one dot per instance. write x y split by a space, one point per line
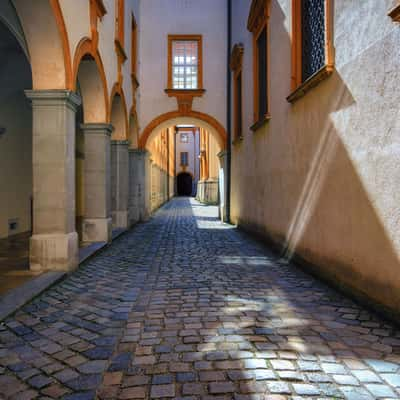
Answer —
89 71
46 36
176 118
118 114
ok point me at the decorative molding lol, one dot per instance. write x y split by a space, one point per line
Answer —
394 13
208 119
296 79
257 15
236 60
311 82
184 97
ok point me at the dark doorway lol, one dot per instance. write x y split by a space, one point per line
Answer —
184 184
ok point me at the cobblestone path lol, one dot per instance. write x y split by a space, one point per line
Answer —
186 307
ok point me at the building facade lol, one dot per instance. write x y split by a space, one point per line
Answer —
295 104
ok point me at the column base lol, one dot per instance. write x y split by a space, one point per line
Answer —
54 252
97 230
120 219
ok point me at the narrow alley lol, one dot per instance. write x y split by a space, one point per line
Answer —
187 307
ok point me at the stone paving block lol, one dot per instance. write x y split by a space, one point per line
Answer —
173 311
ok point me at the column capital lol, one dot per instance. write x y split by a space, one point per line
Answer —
140 152
46 98
97 128
119 142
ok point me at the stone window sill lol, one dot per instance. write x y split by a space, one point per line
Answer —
260 123
394 13
310 83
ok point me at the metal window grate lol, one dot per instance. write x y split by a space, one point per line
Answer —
313 36
262 75
185 64
239 111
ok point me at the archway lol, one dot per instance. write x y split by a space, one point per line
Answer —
184 184
16 169
119 160
92 146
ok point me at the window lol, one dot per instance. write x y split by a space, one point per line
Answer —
238 106
236 66
312 37
184 159
262 74
134 46
258 26
312 49
185 62
184 138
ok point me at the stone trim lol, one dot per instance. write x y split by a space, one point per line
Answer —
97 128
54 98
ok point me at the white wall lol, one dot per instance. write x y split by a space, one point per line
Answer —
160 18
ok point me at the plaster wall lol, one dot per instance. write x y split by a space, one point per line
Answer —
160 18
322 177
76 15
15 144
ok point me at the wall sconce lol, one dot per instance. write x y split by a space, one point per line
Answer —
2 130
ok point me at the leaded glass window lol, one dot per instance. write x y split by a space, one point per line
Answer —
262 75
185 62
313 36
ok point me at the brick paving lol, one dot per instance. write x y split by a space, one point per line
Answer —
186 307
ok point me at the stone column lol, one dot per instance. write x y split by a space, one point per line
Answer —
141 182
223 160
120 183
97 221
133 203
54 243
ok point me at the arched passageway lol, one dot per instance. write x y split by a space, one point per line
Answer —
184 184
16 201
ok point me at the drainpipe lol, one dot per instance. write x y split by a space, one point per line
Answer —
229 113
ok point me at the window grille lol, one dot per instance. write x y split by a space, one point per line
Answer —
313 36
185 64
262 75
238 108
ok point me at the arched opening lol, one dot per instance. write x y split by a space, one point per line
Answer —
184 184
119 161
90 146
16 192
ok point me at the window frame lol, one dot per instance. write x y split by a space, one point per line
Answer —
189 38
258 21
187 159
236 65
299 87
133 45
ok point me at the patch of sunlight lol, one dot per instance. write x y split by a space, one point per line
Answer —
251 261
311 190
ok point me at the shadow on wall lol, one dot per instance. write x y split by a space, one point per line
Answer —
317 208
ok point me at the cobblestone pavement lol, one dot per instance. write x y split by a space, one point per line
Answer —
186 307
